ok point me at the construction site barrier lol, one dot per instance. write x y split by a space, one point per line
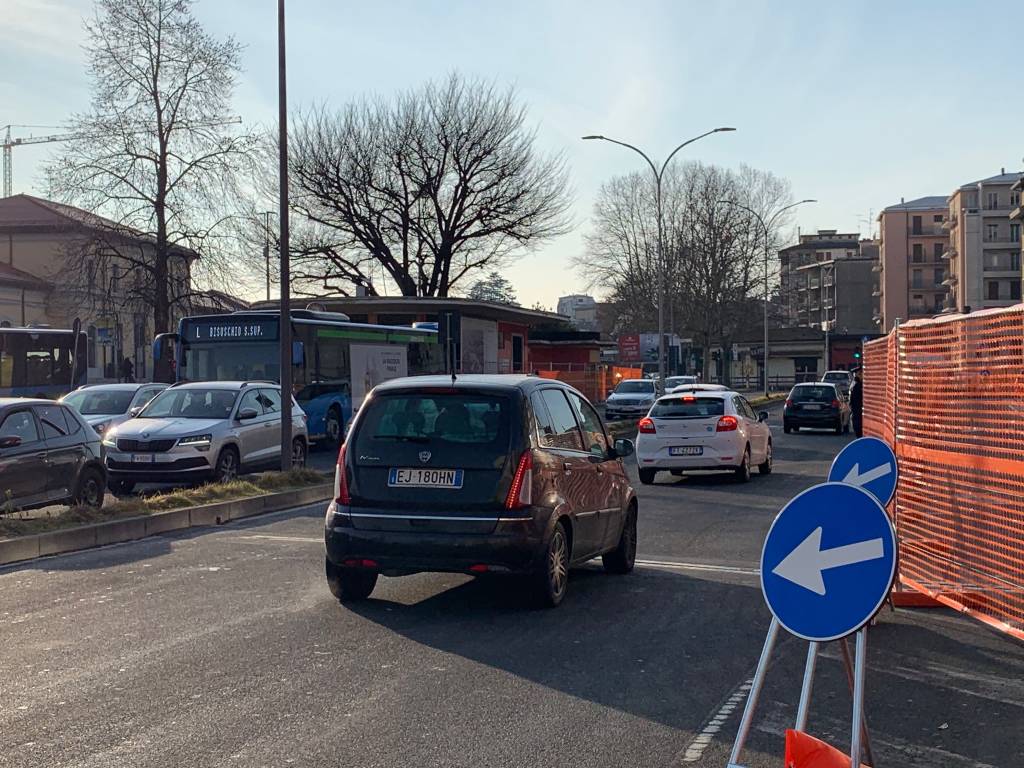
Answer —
594 381
946 394
803 751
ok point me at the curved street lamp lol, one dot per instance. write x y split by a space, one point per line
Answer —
658 174
767 247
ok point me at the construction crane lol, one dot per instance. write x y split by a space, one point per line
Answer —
10 142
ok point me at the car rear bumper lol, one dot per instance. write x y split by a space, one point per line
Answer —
822 419
511 545
722 451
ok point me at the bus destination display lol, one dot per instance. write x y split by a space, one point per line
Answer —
245 330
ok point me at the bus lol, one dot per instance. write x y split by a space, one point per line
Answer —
41 362
335 362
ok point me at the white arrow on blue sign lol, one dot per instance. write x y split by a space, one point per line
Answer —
868 463
828 561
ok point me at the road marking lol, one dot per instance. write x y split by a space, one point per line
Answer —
697 567
695 749
303 539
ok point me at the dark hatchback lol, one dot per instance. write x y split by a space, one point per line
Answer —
48 455
818 406
485 475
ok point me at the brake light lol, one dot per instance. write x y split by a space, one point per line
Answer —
520 494
646 426
341 494
727 424
689 399
788 403
835 404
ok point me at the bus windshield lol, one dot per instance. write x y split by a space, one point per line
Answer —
38 362
239 361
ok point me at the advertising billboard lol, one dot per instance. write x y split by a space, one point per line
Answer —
373 364
629 348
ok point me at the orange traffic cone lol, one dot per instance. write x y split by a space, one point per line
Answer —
803 751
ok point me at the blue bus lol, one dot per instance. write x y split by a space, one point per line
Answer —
41 362
335 362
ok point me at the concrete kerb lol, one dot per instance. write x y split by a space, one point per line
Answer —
24 548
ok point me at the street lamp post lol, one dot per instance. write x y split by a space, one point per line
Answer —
767 248
285 313
658 175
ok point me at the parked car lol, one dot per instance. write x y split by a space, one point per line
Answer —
48 455
487 474
202 430
677 381
842 379
818 405
703 430
630 399
107 405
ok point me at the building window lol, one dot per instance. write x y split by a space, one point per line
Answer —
91 346
1015 232
937 305
991 233
917 280
1015 290
937 250
992 201
1014 199
992 286
937 218
940 276
916 226
918 253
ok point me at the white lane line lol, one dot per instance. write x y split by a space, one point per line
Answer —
303 539
698 567
695 749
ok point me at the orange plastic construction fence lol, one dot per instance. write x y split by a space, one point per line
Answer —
594 381
803 751
946 394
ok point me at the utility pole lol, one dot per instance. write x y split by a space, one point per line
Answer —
286 309
266 246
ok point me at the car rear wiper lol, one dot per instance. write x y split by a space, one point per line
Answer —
404 438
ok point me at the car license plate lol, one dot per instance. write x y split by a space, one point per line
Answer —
143 458
812 407
419 477
686 450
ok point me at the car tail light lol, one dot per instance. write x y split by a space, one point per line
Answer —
835 404
727 424
787 404
520 494
478 568
356 562
341 494
646 426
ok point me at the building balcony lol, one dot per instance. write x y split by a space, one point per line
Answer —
949 223
876 293
948 254
928 230
877 267
814 284
950 281
1002 241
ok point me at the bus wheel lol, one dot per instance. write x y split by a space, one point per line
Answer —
332 426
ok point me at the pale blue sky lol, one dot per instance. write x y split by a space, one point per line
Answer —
856 103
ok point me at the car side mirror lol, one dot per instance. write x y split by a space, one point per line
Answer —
624 447
247 414
10 441
762 416
135 411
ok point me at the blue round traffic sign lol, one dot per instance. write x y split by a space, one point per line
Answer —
868 463
828 561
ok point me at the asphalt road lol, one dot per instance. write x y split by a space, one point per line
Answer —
223 647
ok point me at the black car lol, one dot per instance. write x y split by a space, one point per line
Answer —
818 405
484 475
48 455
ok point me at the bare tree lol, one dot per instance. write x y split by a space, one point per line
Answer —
713 257
426 188
156 157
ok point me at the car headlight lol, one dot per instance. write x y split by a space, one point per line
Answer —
101 427
109 438
197 441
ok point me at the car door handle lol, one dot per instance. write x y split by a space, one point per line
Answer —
567 466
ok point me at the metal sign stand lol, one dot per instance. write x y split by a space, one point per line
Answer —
860 743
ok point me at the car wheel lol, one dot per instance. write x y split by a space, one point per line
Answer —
846 428
743 470
647 476
349 585
332 426
226 469
553 579
90 488
839 427
622 558
766 467
298 453
121 487
786 428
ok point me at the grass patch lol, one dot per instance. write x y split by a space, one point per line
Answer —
40 521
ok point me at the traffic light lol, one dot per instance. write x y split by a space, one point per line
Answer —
856 354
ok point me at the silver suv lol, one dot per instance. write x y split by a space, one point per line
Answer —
202 430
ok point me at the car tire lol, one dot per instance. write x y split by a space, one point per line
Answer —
647 476
226 468
298 453
846 428
743 470
121 487
91 488
623 557
839 427
786 428
333 432
349 585
552 580
765 468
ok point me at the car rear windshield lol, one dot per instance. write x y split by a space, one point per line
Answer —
634 387
688 408
813 394
100 403
836 377
479 423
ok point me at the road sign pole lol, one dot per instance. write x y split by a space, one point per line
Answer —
803 709
844 646
859 671
755 691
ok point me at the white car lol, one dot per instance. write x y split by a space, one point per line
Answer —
703 430
698 388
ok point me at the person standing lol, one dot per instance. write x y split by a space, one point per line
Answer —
857 403
127 370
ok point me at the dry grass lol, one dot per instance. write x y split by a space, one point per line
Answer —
26 523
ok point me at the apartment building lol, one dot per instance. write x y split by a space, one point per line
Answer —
827 277
1017 214
984 244
911 268
581 310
